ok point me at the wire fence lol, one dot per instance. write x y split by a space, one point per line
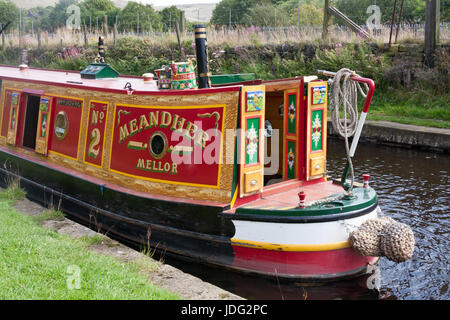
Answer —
216 36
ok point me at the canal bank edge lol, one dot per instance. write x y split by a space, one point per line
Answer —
163 275
403 135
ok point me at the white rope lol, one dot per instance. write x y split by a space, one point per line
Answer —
345 94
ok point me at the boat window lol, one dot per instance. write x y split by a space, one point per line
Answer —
61 125
158 145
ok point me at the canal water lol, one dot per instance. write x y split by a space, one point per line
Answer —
413 188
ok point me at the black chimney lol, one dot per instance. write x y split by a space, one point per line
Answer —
202 56
101 49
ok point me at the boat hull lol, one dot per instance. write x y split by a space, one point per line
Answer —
313 249
194 231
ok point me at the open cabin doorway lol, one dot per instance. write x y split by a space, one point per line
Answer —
30 121
285 126
273 159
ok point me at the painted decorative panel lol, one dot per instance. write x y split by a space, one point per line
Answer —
255 100
251 143
42 133
319 95
291 114
95 137
168 144
252 140
317 130
6 111
291 159
14 102
66 136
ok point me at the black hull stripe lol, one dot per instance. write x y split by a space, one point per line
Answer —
117 217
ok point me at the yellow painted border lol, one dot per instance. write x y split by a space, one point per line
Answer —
233 200
310 107
217 186
13 132
244 114
104 131
49 113
2 108
290 247
3 101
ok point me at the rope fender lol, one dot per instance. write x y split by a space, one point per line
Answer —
383 237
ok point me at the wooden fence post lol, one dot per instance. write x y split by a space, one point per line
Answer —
392 22
115 33
326 21
182 23
86 44
105 25
431 31
39 38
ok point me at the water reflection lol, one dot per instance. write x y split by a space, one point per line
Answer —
413 188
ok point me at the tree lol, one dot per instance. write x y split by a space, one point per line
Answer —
57 16
268 12
306 12
266 15
413 10
238 8
169 16
148 18
41 17
8 12
91 10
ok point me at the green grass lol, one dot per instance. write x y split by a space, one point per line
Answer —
12 193
37 263
49 214
418 108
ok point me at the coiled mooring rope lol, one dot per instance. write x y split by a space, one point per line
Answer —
383 237
344 92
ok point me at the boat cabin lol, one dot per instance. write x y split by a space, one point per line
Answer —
228 144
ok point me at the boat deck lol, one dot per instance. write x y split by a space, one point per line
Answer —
284 195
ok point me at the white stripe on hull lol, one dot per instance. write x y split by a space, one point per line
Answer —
299 233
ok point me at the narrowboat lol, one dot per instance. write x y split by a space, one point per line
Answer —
232 175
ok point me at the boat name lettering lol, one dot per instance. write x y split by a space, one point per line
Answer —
164 119
70 103
156 166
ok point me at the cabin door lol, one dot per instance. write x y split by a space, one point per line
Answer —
316 133
42 131
252 140
293 119
13 118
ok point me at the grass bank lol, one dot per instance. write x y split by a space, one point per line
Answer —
38 263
